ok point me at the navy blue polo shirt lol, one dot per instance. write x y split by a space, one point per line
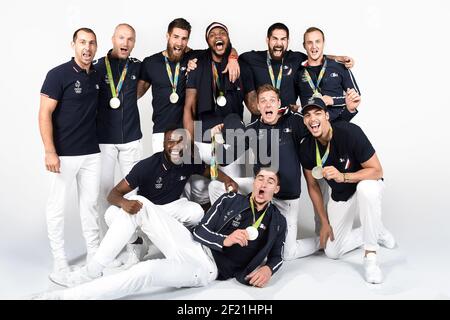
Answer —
335 82
74 132
232 92
160 181
290 130
154 72
255 73
233 260
349 148
121 125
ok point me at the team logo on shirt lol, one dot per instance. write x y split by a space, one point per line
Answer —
287 130
133 77
262 226
78 88
182 178
97 86
334 75
183 68
158 184
237 221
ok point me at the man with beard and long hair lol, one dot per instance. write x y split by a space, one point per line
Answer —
277 66
68 107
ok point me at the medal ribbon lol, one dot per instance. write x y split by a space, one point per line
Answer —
321 161
115 91
173 79
258 222
272 75
216 80
315 88
213 169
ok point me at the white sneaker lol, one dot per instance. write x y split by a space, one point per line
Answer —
60 269
372 271
386 239
135 254
75 278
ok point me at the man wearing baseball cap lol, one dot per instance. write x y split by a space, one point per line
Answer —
341 154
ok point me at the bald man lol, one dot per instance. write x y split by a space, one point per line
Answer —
118 123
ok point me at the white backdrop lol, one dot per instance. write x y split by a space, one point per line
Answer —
400 50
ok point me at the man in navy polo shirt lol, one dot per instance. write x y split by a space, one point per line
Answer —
166 73
323 76
210 97
118 123
277 66
275 139
68 107
240 237
341 154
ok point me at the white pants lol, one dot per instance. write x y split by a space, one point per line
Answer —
157 142
187 212
295 248
86 171
127 155
367 201
187 263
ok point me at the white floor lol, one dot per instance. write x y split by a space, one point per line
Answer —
418 271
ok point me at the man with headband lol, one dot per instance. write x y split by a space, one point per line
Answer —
210 97
341 154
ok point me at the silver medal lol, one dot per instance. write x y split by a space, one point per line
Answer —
317 172
252 233
221 101
114 103
174 97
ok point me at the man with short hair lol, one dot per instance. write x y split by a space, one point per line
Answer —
341 153
324 77
68 107
118 122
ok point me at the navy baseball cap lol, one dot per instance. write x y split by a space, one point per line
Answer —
314 102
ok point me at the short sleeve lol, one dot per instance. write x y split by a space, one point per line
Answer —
53 86
144 73
362 147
